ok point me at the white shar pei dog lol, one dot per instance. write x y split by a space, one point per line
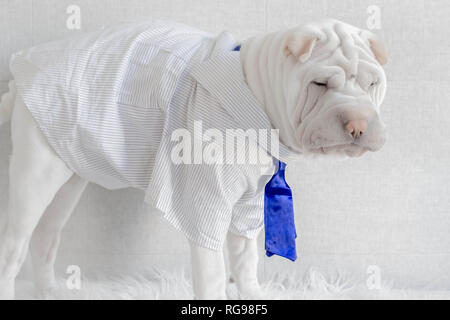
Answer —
104 107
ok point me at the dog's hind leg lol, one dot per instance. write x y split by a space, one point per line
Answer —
45 241
36 174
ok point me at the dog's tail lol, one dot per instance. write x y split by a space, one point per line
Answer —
7 103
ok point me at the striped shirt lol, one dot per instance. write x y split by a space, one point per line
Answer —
109 102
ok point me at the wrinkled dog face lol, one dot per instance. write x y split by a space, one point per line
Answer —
335 89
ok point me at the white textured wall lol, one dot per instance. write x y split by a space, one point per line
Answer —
389 209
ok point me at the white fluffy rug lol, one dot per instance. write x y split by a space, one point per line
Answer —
165 285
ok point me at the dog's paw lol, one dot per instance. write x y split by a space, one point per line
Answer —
47 293
251 292
46 290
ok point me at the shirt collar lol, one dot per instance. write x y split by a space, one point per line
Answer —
222 76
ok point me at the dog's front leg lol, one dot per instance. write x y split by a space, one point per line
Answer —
208 273
243 255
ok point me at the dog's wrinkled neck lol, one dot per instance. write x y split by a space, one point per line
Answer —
265 74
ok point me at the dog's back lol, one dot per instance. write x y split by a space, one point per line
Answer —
101 99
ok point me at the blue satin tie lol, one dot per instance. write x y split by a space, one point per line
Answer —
279 216
279 222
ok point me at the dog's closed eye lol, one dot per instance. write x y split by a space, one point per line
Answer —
320 84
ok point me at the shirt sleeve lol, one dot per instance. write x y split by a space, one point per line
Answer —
210 195
197 199
248 212
248 217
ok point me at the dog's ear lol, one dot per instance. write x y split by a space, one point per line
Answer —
378 48
300 45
